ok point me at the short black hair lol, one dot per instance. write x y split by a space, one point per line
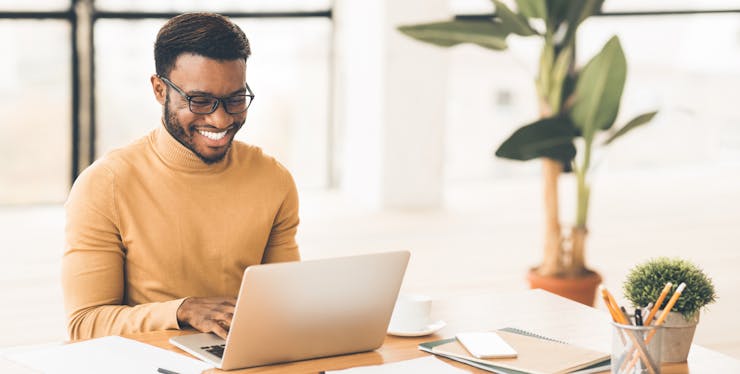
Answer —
207 34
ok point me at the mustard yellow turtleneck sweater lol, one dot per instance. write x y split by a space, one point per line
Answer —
151 224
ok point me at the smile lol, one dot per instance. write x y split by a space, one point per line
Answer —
213 135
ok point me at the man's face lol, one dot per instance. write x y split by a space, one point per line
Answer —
209 136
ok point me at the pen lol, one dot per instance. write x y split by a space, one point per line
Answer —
646 311
638 317
165 371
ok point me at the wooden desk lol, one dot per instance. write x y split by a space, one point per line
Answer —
536 311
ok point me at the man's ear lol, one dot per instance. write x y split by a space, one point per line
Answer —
159 88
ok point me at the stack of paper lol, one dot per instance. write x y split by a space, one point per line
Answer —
426 365
112 354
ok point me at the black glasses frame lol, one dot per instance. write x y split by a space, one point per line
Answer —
219 100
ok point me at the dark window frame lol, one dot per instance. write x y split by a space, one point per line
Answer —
677 12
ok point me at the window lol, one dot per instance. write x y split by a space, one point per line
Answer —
36 5
45 106
35 101
686 67
682 61
212 5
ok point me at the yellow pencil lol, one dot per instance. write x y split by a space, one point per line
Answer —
669 306
619 317
604 296
603 291
658 303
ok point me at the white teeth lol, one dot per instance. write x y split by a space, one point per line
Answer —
213 135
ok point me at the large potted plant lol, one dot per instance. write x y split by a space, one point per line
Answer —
577 106
643 287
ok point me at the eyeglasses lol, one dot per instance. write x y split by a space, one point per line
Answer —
207 104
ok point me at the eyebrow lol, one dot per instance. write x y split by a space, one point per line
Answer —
204 93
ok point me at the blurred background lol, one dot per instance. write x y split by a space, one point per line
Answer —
390 141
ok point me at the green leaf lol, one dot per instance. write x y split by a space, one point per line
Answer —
546 61
634 123
512 22
599 90
558 10
557 77
487 34
587 9
549 137
578 11
569 87
532 8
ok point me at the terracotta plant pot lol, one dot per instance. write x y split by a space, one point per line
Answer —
678 332
580 288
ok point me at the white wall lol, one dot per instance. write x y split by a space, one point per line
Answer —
390 94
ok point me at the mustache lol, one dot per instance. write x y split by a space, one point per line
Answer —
233 126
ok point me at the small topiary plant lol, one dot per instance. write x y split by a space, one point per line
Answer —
645 282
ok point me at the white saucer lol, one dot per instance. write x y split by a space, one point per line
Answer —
429 329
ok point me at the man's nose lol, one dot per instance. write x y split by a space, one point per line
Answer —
220 118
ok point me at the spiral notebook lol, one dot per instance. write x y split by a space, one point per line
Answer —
536 354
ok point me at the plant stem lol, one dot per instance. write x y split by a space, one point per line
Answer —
552 261
583 189
578 233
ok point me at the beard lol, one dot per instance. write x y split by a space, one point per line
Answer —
185 136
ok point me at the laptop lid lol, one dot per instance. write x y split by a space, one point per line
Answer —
299 310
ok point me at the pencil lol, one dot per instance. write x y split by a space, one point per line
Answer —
603 292
620 317
647 321
617 314
670 304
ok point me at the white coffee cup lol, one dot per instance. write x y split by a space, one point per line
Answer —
411 313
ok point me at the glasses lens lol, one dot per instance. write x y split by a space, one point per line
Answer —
202 104
237 103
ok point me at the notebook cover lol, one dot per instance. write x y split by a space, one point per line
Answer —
537 354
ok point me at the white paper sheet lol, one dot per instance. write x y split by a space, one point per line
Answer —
427 365
7 366
111 354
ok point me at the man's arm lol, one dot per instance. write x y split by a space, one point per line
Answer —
281 246
93 266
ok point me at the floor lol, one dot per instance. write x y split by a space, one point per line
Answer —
485 238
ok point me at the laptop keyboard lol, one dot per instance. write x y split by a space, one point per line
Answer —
216 350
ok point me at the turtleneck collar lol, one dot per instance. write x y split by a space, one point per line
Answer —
179 157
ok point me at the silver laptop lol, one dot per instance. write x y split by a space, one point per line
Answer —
300 310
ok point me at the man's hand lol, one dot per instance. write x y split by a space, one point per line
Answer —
207 314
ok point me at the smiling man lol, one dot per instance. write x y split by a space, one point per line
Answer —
159 232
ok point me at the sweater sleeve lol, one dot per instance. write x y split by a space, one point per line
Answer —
281 245
93 266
